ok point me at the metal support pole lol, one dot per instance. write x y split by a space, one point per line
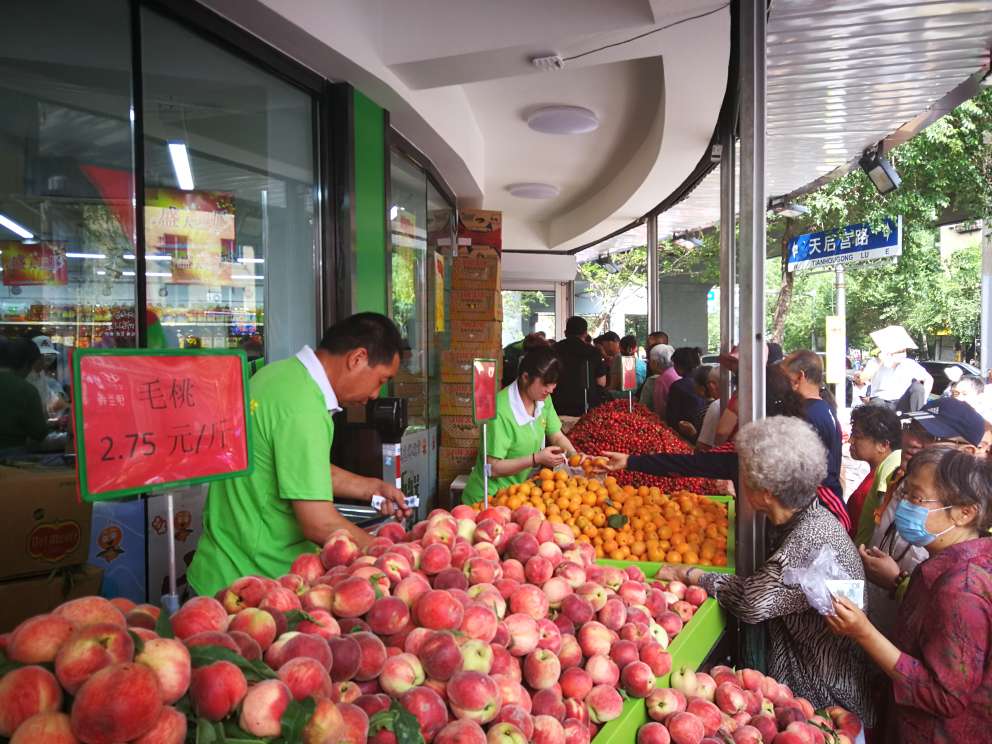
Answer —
170 602
654 280
840 285
728 257
986 311
485 466
751 390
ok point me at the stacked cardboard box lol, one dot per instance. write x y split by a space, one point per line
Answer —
47 531
476 332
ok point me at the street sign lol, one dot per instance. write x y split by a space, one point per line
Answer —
845 245
149 419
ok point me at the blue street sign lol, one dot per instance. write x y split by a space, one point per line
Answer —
845 245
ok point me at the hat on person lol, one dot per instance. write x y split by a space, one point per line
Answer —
950 418
892 339
45 346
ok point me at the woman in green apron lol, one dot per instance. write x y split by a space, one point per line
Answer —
526 433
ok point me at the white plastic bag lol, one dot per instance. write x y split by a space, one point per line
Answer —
812 579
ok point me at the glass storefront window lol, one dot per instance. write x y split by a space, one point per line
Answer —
229 199
66 189
527 311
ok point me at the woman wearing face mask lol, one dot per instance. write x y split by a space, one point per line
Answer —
940 659
527 432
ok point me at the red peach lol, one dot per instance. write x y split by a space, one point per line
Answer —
708 713
37 639
438 610
90 649
258 624
212 638
511 692
576 683
462 731
355 728
339 550
294 583
570 653
435 558
140 617
522 547
656 657
529 600
506 587
411 589
663 702
577 609
118 703
602 670
323 624
686 728
170 661
217 689
706 687
656 602
302 644
594 638
653 733
401 673
604 704
504 663
747 734
479 570
624 652
247 591
345 692
730 698
671 622
635 631
571 572
305 678
90 611
613 578
477 656
548 730
637 679
551 553
541 669
24 692
345 657
144 634
549 636
372 655
518 717
538 569
506 733
613 614
765 724
594 594
198 615
440 656
677 588
695 595
393 531
317 597
353 597
263 706
474 695
684 610
415 639
46 728
524 635
513 569
633 592
326 724
373 703
428 708
548 703
479 622
556 589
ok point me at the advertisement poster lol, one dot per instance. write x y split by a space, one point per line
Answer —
439 320
33 263
196 230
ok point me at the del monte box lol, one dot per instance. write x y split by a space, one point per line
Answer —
44 525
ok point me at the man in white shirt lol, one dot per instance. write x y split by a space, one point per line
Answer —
896 371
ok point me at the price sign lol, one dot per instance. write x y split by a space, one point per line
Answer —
483 390
629 365
150 419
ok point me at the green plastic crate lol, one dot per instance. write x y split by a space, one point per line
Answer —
650 568
690 647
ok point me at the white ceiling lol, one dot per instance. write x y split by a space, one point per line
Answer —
457 79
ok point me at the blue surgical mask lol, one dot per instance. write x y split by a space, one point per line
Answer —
911 523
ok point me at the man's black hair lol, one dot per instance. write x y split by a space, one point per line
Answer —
611 336
879 423
576 326
20 354
685 359
375 333
628 345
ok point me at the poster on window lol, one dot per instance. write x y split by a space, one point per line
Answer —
194 232
33 263
439 322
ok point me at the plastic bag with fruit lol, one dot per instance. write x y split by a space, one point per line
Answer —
822 567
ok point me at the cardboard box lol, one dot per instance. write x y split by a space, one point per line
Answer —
36 595
476 304
481 226
476 272
456 366
187 518
45 526
473 334
459 427
461 442
118 545
456 460
456 400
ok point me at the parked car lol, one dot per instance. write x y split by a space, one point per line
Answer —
938 370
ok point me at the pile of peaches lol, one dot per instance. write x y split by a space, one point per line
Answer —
627 522
491 627
743 707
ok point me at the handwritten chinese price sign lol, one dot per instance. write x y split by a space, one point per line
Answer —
152 419
483 390
629 372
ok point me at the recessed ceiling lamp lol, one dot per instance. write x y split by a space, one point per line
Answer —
563 120
533 190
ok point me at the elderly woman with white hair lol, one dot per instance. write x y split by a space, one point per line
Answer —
660 370
782 460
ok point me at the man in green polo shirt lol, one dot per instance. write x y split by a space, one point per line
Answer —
259 524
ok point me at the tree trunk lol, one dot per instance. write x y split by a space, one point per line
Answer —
784 301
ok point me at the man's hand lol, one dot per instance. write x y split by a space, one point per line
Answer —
880 567
394 503
687 430
848 620
616 460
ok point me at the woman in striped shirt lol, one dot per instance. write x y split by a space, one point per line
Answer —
781 462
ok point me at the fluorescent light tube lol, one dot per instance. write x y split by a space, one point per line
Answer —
180 164
15 228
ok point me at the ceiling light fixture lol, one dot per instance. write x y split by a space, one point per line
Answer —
533 190
880 171
788 209
181 165
563 120
15 228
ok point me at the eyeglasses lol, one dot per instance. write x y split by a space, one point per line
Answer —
902 491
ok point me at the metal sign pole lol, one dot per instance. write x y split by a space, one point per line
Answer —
170 601
840 285
630 401
485 467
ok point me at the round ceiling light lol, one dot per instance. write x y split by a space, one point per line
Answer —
533 190
563 120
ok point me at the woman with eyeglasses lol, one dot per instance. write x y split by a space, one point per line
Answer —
939 660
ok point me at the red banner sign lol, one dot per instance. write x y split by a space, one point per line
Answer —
483 390
629 372
149 419
33 263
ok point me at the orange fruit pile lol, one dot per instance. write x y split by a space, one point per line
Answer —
627 523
